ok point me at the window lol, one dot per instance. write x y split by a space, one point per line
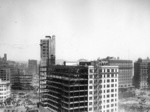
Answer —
112 70
108 75
90 92
90 98
90 87
100 91
91 76
95 108
112 85
108 70
90 109
91 82
90 103
91 71
108 80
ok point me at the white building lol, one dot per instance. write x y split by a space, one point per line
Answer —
106 89
4 90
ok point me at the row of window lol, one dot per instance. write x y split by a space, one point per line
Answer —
106 96
110 80
110 90
109 70
109 75
110 85
103 75
105 91
104 101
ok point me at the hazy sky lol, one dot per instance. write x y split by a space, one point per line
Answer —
84 28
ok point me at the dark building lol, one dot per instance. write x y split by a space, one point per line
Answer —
141 73
22 81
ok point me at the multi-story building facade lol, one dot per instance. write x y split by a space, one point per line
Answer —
25 82
125 70
4 79
4 90
80 89
141 73
106 89
33 70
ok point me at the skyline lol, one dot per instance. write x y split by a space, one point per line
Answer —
83 28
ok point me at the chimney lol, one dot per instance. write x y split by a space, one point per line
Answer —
5 57
64 63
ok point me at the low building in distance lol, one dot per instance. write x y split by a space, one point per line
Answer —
20 78
32 67
33 71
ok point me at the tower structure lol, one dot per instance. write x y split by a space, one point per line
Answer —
48 50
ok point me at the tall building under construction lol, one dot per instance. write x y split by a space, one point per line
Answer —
80 89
